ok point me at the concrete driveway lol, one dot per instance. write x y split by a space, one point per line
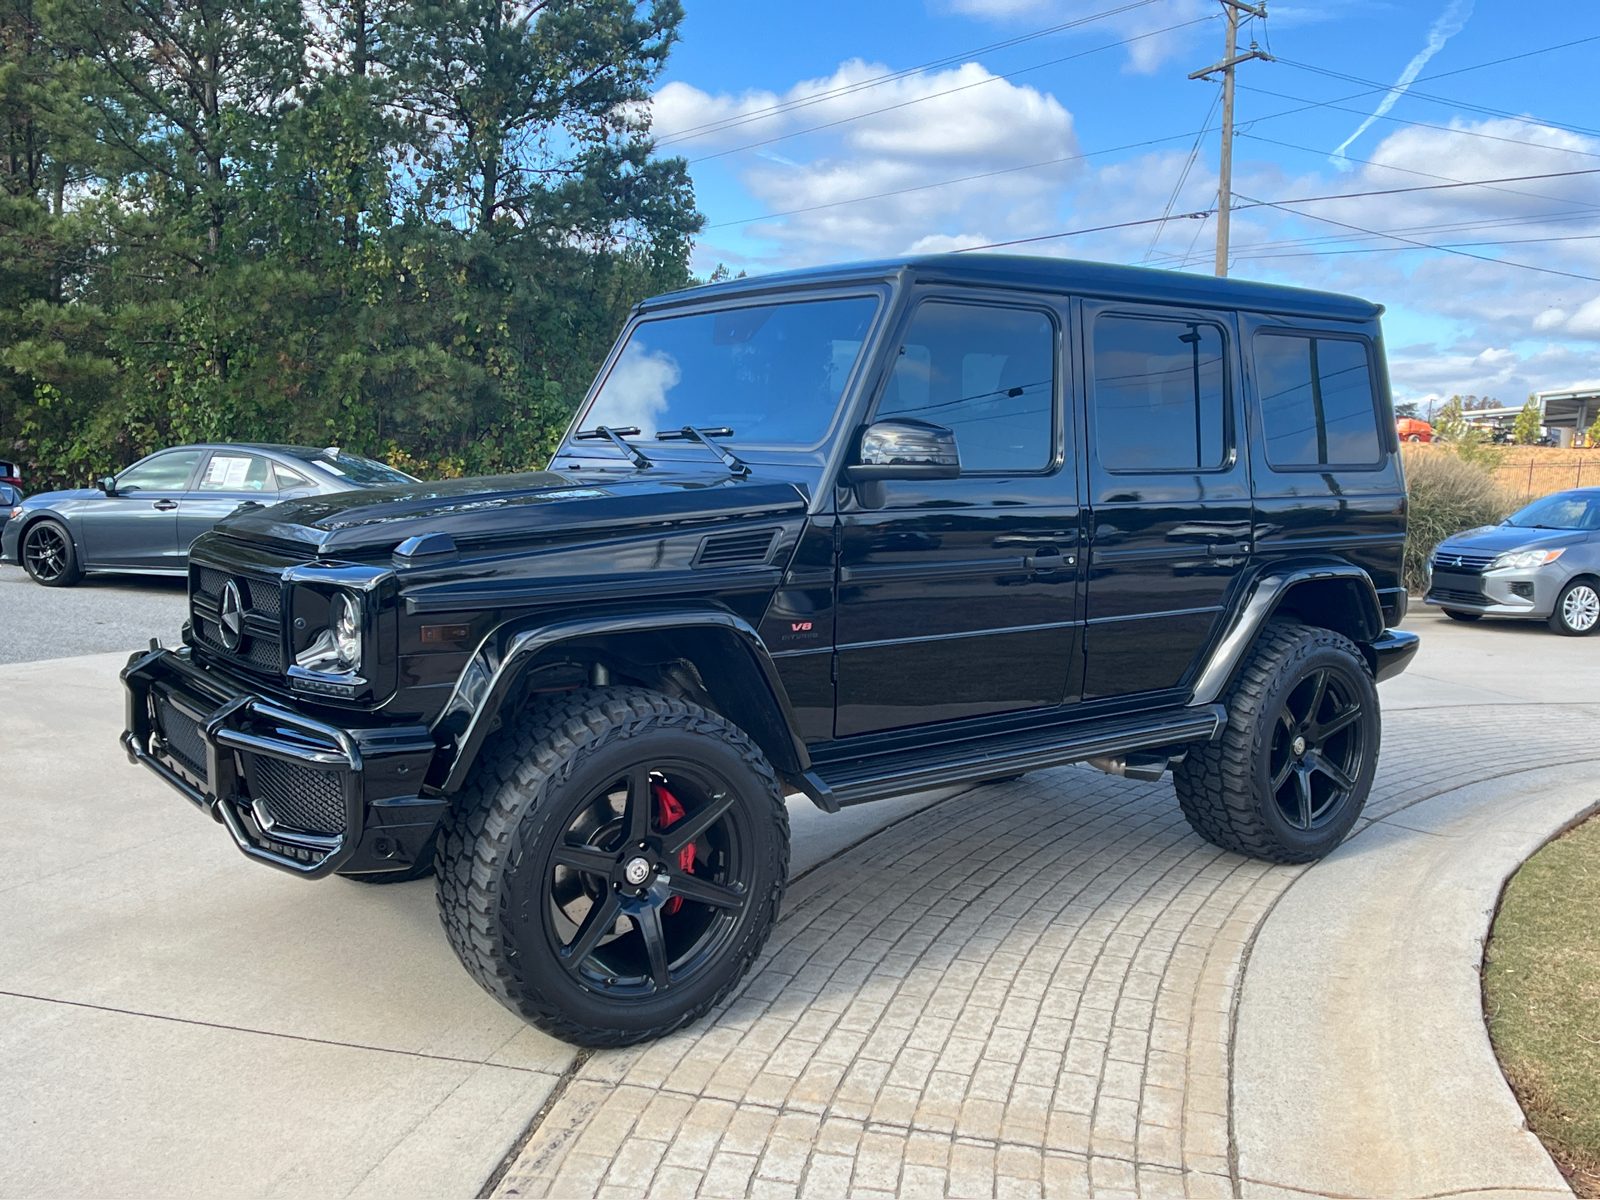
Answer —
178 1021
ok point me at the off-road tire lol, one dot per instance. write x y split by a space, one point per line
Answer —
1457 614
68 574
519 786
1558 617
1224 786
420 869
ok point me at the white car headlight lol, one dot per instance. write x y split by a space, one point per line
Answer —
1521 560
338 647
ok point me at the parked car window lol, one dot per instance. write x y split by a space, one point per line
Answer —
163 473
9 495
237 473
356 469
988 374
1159 394
287 479
1316 401
772 373
1559 512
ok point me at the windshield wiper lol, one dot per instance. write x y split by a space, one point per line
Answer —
689 433
618 438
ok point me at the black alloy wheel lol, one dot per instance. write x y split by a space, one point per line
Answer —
648 880
47 555
1317 750
614 864
1292 769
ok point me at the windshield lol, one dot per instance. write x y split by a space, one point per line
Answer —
773 374
357 469
1559 512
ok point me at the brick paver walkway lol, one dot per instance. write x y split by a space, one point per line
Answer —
1025 990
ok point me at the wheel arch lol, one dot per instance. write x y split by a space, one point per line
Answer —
708 655
1330 595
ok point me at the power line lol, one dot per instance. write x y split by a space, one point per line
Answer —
1254 203
1499 262
1412 91
1183 176
922 187
1583 237
709 127
947 92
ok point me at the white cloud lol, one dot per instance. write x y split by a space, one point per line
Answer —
1144 55
853 141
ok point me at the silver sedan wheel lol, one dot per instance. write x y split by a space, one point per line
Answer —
1579 609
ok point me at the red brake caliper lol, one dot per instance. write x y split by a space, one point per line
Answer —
669 811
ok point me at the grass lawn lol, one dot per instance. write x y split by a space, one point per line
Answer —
1541 990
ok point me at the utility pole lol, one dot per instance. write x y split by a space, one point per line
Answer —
1230 59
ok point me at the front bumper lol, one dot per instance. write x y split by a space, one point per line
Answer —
1393 652
1505 593
295 793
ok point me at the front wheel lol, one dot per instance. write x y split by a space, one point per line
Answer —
1577 609
1292 770
48 556
614 864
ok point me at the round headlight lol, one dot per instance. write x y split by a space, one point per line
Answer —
347 631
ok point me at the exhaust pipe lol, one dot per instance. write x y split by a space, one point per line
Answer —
1146 767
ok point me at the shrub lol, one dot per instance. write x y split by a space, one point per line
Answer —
1448 493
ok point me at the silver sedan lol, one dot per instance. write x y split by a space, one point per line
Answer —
1542 563
143 520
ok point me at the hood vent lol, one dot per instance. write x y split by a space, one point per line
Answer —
746 548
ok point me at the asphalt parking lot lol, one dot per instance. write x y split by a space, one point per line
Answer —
101 614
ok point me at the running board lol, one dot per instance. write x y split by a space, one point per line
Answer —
833 786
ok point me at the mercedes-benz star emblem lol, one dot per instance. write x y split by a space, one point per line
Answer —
232 616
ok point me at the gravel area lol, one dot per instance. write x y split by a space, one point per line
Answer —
101 614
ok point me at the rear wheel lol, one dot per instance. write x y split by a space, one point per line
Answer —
1457 614
1296 759
614 864
1577 611
48 556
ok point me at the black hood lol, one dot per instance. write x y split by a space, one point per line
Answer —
538 505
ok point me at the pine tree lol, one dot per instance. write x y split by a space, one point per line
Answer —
1526 430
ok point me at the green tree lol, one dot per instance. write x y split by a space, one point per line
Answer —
1449 425
1526 430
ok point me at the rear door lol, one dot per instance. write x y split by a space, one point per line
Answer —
137 529
958 598
1169 486
228 479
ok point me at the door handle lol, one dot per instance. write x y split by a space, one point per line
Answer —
165 505
1226 549
1048 560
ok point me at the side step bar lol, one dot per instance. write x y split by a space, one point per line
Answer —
858 781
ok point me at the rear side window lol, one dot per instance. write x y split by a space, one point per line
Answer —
1160 389
1316 401
988 375
237 473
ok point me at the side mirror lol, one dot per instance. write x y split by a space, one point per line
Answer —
108 485
905 449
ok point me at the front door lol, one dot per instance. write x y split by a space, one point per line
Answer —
137 529
958 598
230 477
1170 489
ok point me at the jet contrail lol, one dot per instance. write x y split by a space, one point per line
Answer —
1446 27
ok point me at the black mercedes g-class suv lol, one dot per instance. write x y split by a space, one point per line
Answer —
851 533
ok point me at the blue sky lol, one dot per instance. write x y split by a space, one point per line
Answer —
1095 124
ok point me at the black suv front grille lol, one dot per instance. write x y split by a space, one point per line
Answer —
181 733
299 797
260 648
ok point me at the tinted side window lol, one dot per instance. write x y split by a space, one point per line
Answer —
1159 394
163 473
986 373
1316 401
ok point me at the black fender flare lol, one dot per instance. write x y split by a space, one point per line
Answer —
743 664
1361 619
